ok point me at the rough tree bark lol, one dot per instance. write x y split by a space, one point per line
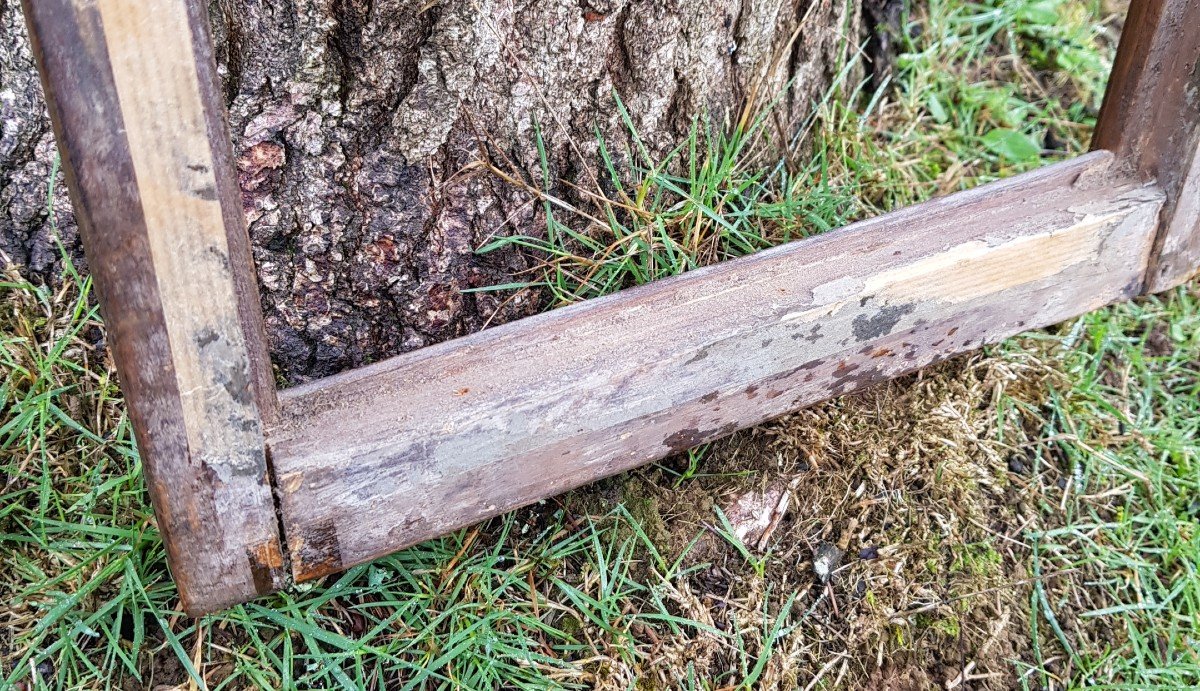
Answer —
353 122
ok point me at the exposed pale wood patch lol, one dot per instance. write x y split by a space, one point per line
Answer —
396 453
158 87
155 75
138 121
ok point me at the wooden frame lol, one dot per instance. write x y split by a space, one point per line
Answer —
369 461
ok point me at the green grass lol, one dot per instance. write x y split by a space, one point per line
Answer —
1126 430
558 597
717 195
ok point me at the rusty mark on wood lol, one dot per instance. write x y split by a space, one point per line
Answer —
317 552
267 565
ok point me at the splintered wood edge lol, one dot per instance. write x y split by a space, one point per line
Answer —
383 457
140 125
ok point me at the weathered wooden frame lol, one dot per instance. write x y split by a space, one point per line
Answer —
367 462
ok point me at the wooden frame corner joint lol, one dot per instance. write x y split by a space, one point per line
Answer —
360 464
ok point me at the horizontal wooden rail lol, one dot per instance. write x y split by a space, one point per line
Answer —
376 459
383 457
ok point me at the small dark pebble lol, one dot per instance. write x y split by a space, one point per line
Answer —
45 670
1062 483
871 552
1016 465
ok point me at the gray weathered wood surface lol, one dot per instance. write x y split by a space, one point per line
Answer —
391 454
379 458
132 93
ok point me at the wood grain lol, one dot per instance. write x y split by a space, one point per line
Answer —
1151 121
383 457
132 95
376 459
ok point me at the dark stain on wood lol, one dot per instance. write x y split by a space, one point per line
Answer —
812 334
867 327
700 355
207 193
317 552
684 439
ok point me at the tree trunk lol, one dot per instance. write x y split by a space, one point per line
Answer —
355 124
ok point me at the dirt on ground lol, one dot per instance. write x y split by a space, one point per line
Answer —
895 513
895 517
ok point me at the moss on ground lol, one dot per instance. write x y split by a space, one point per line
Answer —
1021 517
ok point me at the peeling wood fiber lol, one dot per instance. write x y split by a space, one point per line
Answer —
145 151
376 459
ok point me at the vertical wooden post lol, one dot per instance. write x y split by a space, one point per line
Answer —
132 92
1151 121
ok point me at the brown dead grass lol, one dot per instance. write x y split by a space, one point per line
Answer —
924 484
910 481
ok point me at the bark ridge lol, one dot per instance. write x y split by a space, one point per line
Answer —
354 123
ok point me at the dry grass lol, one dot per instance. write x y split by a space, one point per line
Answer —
996 519
1014 518
911 482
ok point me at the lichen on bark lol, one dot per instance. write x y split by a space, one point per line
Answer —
356 124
